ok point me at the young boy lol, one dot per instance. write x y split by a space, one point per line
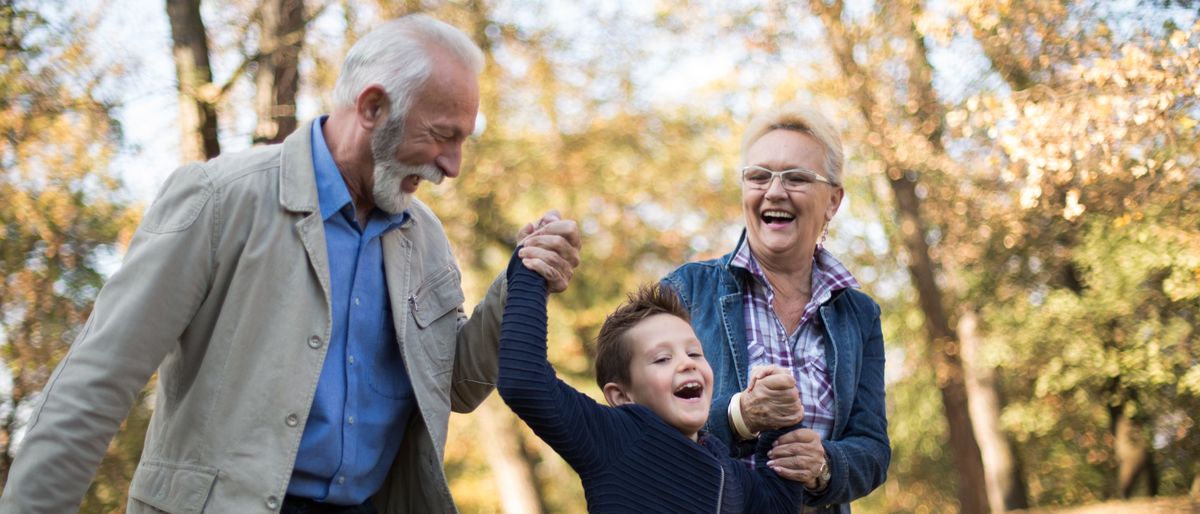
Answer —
645 453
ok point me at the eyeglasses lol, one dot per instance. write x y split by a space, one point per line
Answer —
795 179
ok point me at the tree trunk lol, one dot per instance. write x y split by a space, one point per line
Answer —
511 467
1135 463
197 93
1005 485
948 366
277 79
943 344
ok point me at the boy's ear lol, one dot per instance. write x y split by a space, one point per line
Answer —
616 395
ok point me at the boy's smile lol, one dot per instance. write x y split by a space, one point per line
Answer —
668 373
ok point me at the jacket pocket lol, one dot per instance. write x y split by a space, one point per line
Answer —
174 488
438 295
434 307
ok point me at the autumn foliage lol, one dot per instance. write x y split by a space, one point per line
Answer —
1023 185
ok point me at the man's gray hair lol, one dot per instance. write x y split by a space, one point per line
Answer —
805 119
397 56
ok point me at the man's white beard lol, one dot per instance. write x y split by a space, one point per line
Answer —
388 190
389 194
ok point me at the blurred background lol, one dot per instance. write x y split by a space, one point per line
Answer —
1023 199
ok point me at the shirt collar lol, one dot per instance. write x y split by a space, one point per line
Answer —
829 274
332 194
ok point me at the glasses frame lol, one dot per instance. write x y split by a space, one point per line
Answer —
816 177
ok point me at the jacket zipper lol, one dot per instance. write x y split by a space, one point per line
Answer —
426 286
721 490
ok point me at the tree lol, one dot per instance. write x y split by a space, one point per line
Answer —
277 75
1024 211
1131 99
198 96
62 217
907 138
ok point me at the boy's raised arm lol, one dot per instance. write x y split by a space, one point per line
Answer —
570 422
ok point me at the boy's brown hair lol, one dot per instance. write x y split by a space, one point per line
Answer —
612 351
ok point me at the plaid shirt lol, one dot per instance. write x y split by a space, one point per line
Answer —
802 351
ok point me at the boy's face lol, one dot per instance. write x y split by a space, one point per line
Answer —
668 373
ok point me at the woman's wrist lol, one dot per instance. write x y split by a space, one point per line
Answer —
740 429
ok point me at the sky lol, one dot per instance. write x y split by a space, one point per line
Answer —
136 32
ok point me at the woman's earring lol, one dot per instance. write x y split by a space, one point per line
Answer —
824 236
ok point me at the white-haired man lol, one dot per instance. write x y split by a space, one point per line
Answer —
303 310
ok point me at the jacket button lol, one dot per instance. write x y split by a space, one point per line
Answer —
292 420
314 342
272 502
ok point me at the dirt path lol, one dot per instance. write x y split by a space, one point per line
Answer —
1176 505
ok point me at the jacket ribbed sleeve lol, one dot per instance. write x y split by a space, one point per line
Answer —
581 430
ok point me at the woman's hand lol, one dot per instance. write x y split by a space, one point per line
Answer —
771 400
799 456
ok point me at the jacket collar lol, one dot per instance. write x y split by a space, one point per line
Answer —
727 260
297 179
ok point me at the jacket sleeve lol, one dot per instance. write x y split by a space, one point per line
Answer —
766 491
476 361
859 459
137 319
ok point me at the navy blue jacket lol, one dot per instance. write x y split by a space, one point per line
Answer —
628 458
858 447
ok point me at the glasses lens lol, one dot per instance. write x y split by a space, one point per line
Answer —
798 179
757 177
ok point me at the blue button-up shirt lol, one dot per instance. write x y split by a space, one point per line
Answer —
364 398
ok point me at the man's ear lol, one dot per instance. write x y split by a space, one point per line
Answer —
371 106
616 395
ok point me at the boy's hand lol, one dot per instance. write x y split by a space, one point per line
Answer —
551 248
798 456
771 400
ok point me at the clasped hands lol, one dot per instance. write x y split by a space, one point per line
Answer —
550 247
772 401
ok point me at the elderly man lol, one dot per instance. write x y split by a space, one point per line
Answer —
303 310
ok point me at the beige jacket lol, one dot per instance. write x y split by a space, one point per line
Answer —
225 291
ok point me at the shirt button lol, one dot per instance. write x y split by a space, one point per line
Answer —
272 502
351 420
292 420
341 480
356 301
350 359
314 342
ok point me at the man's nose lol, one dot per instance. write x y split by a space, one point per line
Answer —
450 161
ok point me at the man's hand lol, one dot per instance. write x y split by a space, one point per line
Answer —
551 248
798 455
772 400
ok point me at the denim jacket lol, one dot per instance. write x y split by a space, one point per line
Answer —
858 447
